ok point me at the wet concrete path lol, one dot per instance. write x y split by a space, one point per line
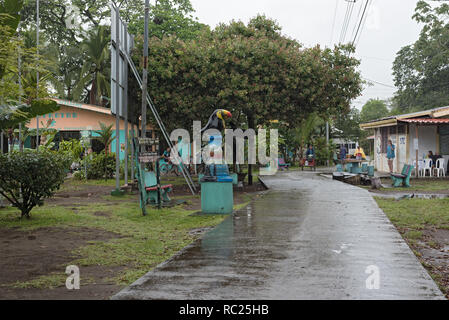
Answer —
308 238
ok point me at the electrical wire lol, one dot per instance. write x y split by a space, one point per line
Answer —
333 23
363 22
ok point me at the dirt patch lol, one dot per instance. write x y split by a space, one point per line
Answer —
77 197
26 255
433 252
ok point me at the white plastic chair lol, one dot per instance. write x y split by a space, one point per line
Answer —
426 167
417 168
439 167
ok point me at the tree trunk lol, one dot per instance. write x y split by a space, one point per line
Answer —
93 93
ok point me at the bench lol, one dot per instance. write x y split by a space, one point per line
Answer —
282 164
402 179
151 188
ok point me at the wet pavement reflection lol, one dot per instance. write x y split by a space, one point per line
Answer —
307 238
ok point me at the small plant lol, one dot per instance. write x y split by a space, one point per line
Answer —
79 175
28 177
102 166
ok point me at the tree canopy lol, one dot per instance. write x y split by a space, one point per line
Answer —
421 69
374 109
253 71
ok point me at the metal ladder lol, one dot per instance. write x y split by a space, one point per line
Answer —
184 170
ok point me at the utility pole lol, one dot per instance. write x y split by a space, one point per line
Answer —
145 71
37 71
117 101
19 66
125 105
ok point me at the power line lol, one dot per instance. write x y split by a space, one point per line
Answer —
333 23
358 16
361 20
364 21
350 9
379 83
344 22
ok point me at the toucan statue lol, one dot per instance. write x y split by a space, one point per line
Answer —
217 120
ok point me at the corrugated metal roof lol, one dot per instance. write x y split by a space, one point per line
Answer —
426 120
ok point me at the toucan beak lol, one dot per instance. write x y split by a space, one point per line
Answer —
228 114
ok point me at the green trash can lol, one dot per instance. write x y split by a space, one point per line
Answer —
217 197
371 171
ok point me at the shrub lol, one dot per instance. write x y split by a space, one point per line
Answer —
28 177
323 151
73 148
101 166
79 175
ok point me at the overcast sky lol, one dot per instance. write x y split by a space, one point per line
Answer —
388 27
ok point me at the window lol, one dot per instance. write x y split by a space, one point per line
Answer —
401 129
392 130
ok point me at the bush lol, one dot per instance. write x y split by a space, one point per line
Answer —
73 148
79 175
101 166
322 151
28 177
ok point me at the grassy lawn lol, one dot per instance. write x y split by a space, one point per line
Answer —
418 185
139 243
424 224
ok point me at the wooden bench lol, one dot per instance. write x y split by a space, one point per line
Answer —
282 164
402 179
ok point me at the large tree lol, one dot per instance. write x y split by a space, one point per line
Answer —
253 71
374 109
421 70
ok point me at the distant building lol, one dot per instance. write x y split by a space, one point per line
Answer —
422 131
75 120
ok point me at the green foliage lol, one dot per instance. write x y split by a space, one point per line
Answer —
28 177
105 137
323 151
101 166
374 109
167 18
95 70
348 126
79 175
72 148
11 115
420 69
252 71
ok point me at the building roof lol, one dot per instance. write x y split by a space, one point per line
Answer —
426 120
82 106
393 120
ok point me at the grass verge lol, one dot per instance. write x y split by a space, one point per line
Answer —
419 221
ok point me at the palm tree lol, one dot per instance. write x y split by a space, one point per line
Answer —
105 136
303 133
95 72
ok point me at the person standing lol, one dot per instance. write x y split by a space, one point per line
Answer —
390 155
343 153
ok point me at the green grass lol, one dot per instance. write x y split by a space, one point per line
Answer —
417 214
144 242
420 185
411 217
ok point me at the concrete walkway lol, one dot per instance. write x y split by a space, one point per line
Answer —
308 238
